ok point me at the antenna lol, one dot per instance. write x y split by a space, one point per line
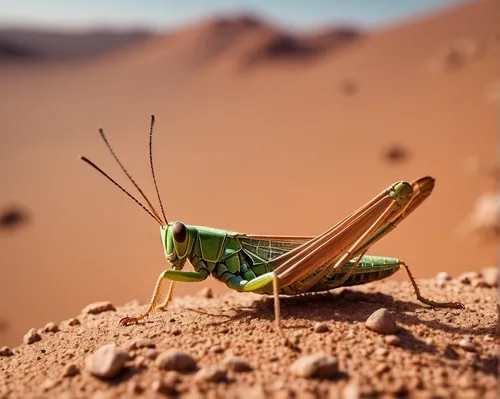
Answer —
157 216
152 167
121 188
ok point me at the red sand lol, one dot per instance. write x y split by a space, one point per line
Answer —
274 147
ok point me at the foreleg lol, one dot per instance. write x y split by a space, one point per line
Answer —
172 275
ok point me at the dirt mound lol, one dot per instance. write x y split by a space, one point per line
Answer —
226 346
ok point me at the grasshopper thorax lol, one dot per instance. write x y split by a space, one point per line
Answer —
178 240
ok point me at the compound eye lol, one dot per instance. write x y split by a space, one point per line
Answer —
179 231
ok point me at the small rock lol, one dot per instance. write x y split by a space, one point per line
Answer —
318 365
465 381
48 384
468 277
237 364
490 276
73 322
163 387
151 354
348 87
488 338
320 327
31 337
107 362
381 369
135 388
440 283
467 345
211 374
443 276
217 349
396 153
176 359
71 370
382 322
479 283
392 340
206 292
397 388
352 391
141 343
5 351
98 307
381 352
51 327
140 362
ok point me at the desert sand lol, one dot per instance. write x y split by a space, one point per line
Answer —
256 133
233 351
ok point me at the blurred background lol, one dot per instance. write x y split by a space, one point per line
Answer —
272 118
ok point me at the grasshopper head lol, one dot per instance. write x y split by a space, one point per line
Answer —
178 240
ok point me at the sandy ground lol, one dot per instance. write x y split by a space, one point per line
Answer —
439 353
288 145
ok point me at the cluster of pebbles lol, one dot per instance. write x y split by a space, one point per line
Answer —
175 366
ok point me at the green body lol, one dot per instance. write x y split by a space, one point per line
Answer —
237 259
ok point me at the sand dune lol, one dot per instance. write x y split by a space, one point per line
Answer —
29 45
278 148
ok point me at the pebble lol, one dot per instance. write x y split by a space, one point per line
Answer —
151 354
98 307
176 359
5 351
206 292
141 343
352 390
319 365
71 370
382 322
440 283
381 369
467 345
140 362
51 327
73 322
468 277
443 276
48 384
107 362
31 337
163 387
392 340
211 374
135 388
381 352
490 276
488 338
237 364
479 283
217 349
320 327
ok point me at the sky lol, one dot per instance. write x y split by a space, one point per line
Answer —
165 14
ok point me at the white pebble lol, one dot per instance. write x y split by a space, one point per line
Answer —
107 362
382 322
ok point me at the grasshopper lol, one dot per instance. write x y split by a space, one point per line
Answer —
288 265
